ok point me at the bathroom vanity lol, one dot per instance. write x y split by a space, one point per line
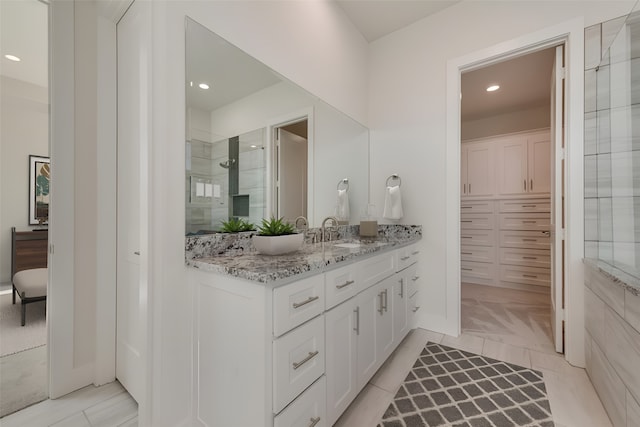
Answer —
291 340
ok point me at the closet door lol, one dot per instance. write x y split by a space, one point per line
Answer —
539 166
512 167
480 170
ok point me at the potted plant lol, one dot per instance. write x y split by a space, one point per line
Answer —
277 237
236 225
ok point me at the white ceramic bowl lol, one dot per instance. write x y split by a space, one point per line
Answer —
277 245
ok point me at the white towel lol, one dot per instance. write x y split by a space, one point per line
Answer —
393 203
342 207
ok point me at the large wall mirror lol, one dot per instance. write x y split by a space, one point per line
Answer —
258 145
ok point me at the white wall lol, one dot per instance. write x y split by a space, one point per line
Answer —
329 61
407 114
509 122
24 130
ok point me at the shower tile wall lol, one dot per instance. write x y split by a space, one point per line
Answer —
612 216
612 143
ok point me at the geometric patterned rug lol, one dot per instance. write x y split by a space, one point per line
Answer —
451 387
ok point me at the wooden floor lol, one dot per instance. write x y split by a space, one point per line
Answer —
508 326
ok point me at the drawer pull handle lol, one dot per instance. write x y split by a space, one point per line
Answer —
466 207
381 309
386 295
525 185
305 302
528 240
531 188
466 269
404 258
528 222
530 257
532 276
357 328
466 237
546 233
136 253
345 284
401 294
310 356
416 309
414 278
528 206
466 220
415 252
314 421
466 253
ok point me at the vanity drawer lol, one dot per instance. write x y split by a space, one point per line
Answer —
533 222
296 303
412 277
525 205
525 275
298 360
478 253
477 206
477 237
309 409
524 239
340 285
374 269
477 270
476 221
526 257
406 256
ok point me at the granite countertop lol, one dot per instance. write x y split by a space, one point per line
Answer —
248 264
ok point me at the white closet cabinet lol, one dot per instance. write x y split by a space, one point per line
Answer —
477 168
524 164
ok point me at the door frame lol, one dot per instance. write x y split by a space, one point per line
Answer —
571 34
272 126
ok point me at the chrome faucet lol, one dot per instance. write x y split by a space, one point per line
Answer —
324 221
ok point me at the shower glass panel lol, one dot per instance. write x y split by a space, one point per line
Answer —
612 150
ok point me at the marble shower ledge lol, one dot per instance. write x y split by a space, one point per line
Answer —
619 277
244 262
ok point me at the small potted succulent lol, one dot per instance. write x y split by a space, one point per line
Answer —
277 237
236 225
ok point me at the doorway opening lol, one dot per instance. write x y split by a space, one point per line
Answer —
291 155
511 200
25 199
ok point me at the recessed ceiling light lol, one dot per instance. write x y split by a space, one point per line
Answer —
254 146
493 88
191 84
203 86
12 58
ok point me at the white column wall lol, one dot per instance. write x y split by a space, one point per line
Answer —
407 115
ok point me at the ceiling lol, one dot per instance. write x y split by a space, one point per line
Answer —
377 18
23 33
525 82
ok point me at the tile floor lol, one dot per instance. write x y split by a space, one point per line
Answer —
506 320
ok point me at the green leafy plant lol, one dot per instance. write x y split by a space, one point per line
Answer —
275 227
236 225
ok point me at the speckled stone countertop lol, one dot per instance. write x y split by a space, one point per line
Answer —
239 259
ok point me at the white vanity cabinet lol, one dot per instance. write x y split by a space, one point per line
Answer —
296 354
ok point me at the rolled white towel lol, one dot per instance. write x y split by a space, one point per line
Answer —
393 203
342 207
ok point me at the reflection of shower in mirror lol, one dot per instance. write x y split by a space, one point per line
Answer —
228 163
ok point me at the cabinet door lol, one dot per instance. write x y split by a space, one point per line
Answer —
368 308
342 324
512 175
384 320
480 170
399 297
539 159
